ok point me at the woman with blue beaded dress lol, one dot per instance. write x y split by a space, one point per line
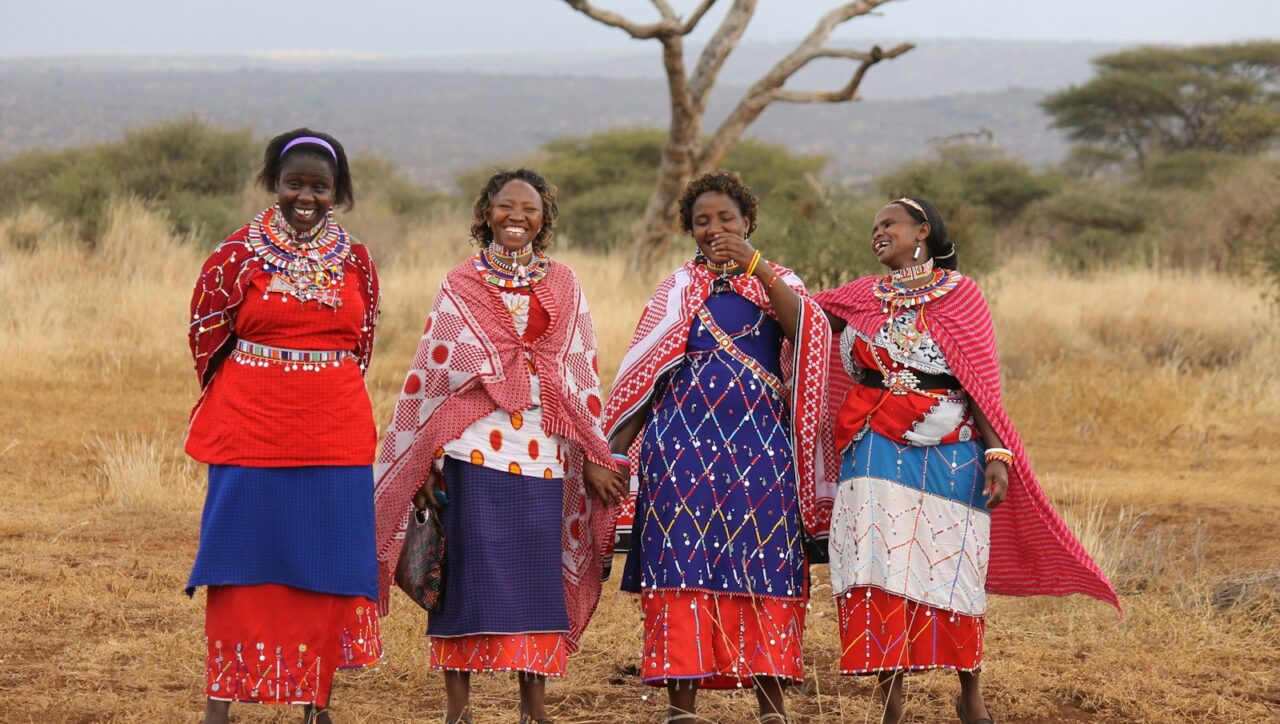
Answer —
717 408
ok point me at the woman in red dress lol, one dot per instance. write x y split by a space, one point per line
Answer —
282 323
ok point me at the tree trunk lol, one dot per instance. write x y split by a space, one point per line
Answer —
659 222
661 217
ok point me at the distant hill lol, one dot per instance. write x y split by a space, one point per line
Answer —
438 116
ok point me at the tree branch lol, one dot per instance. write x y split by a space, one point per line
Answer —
669 25
696 16
770 87
686 27
718 48
850 90
634 29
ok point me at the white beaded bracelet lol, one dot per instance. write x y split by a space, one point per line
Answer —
998 451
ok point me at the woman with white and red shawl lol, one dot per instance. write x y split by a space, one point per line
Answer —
498 428
717 408
281 330
917 540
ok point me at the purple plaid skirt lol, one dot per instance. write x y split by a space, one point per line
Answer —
502 554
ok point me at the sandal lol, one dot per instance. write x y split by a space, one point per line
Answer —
311 714
773 717
960 713
463 718
671 718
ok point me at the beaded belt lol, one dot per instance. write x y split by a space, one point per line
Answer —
908 380
261 355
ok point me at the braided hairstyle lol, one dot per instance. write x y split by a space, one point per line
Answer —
940 248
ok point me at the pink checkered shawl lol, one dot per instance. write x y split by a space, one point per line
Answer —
470 361
659 343
1033 552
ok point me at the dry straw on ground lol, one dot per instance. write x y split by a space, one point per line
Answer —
1147 398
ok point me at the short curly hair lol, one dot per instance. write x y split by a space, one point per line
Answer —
480 231
728 183
344 194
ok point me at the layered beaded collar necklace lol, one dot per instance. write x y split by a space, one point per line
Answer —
501 268
894 295
306 266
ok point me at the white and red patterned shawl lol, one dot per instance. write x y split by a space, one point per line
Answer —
1033 552
659 344
470 361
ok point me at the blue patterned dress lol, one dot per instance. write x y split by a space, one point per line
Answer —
717 510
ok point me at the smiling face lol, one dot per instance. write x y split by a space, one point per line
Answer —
895 235
304 190
515 215
715 213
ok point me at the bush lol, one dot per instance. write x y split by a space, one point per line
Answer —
1089 225
976 189
993 185
1185 169
187 169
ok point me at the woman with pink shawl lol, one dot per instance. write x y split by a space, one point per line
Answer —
501 410
937 505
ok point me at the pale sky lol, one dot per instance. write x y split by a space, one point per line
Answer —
452 27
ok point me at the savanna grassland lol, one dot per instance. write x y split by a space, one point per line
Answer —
1148 398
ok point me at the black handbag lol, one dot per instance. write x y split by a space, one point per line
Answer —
420 571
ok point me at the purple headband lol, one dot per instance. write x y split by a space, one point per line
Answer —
312 140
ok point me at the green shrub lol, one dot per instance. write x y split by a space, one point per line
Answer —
603 218
190 170
1088 225
1185 169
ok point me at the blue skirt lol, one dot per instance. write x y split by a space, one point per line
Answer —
503 571
305 527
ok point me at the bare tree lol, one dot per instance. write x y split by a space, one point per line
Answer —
686 153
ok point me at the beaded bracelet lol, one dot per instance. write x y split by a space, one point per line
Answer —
772 281
755 259
1004 455
623 460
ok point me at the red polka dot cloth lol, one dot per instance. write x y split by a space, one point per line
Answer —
514 442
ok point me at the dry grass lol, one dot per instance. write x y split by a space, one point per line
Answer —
1147 399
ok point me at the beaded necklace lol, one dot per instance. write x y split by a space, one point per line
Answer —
727 269
894 294
895 297
305 266
912 273
508 277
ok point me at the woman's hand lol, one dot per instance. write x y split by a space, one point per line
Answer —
997 483
605 484
426 495
733 247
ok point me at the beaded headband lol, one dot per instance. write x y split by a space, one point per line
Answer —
908 202
313 141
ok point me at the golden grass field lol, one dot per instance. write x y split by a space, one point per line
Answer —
1149 401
